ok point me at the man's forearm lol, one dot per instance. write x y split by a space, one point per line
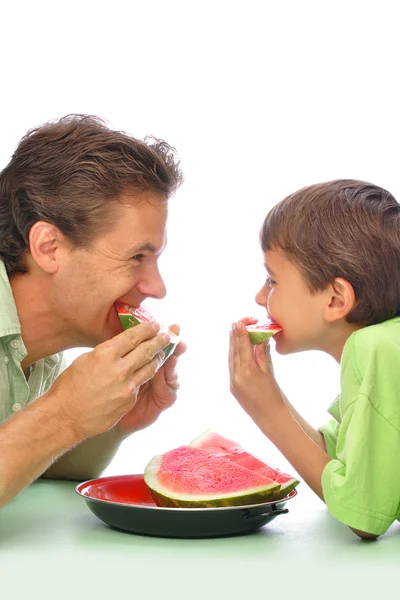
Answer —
29 442
88 459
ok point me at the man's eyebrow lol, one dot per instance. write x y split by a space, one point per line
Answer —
146 247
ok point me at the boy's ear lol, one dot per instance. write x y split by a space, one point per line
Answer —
45 241
341 300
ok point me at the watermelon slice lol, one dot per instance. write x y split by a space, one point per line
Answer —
189 477
260 333
130 317
221 447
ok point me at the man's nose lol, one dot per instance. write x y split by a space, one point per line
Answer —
153 287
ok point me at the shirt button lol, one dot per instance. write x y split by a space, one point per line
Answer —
16 407
6 360
15 344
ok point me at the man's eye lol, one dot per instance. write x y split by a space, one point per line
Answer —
270 282
138 257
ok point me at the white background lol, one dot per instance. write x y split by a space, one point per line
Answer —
260 98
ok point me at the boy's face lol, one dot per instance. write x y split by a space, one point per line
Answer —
290 303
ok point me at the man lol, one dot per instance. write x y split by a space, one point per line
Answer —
83 213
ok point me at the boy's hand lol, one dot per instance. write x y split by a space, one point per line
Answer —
251 377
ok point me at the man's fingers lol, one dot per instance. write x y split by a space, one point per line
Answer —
175 328
170 373
146 372
181 347
145 352
128 340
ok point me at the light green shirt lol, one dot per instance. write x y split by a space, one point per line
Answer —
15 391
361 484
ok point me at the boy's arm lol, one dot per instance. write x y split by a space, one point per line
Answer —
306 456
312 433
256 389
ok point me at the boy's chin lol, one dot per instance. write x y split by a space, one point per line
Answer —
283 349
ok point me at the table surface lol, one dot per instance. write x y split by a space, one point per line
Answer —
52 546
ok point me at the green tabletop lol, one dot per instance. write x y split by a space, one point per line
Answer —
52 546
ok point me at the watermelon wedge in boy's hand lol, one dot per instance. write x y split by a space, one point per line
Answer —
129 317
260 333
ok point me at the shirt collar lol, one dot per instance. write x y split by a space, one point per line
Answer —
9 321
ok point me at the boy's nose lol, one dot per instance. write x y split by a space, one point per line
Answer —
262 296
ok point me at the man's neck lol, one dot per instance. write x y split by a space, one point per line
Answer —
40 332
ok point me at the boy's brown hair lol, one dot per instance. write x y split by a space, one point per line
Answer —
70 173
343 228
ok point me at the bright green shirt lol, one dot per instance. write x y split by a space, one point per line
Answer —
15 391
361 484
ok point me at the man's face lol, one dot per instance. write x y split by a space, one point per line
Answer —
290 303
120 265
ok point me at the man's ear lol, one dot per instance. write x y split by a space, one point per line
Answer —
45 240
341 300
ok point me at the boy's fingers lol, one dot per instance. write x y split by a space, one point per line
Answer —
248 321
231 355
244 350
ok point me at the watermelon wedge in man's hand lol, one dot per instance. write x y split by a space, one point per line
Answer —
130 317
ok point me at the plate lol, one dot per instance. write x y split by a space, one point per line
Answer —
124 502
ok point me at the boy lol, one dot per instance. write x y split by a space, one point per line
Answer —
332 254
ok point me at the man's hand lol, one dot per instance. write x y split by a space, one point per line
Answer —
101 386
251 378
155 396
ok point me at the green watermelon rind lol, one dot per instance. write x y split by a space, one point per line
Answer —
257 337
285 489
170 499
128 321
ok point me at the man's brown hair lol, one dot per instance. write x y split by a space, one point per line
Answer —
70 173
343 228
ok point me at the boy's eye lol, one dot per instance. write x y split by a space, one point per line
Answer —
270 282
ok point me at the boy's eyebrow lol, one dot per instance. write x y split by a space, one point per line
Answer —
270 271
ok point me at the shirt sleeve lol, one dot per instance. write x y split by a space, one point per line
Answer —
330 432
60 366
361 485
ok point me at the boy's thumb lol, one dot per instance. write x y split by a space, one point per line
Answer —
263 357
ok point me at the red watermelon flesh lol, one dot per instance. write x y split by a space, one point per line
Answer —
189 477
219 446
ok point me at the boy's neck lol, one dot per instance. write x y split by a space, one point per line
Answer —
340 333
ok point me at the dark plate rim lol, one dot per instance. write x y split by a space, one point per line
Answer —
291 494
